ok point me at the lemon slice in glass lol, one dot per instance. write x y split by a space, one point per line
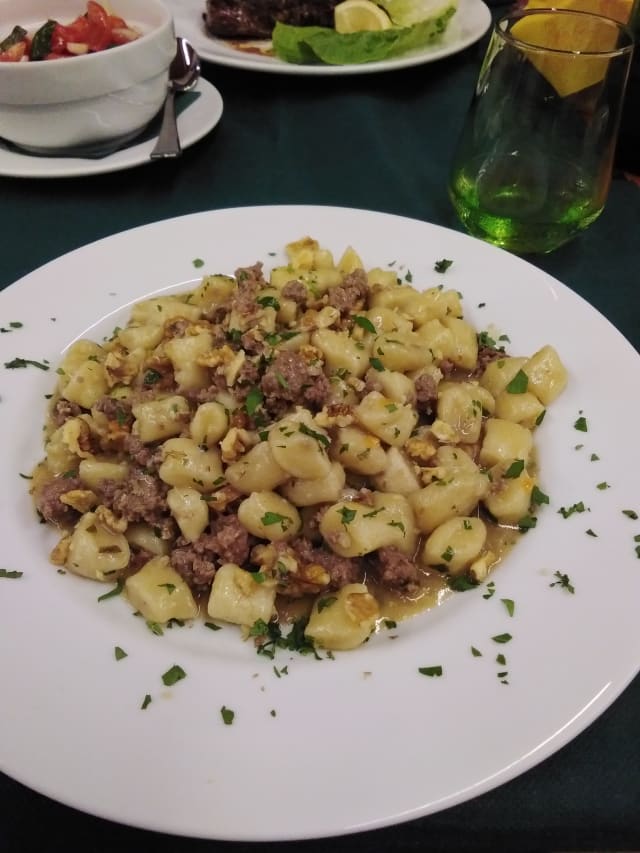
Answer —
570 46
354 16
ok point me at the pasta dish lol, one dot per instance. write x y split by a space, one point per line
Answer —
318 439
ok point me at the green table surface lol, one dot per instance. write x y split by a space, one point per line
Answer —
382 142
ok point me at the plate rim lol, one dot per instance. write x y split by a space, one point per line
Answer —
206 47
587 715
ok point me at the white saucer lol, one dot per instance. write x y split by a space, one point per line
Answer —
194 122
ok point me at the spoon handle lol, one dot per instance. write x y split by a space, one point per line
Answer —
168 144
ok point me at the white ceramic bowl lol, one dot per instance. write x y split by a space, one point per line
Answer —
91 101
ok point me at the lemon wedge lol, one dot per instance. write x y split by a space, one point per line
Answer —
354 16
572 71
619 10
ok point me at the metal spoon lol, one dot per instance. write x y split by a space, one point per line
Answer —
184 72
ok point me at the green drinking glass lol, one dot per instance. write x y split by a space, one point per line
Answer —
533 165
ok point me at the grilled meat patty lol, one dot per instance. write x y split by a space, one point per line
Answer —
257 18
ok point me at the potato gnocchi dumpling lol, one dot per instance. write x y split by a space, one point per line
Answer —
321 439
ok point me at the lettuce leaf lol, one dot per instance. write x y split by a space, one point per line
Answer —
405 13
306 45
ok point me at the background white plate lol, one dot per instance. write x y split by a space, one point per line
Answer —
194 122
363 740
471 21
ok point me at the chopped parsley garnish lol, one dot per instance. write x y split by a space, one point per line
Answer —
170 587
591 532
373 512
197 262
173 675
565 512
594 457
518 384
227 715
268 302
117 589
485 340
515 469
347 515
581 424
476 652
376 364
151 377
253 401
563 581
538 497
269 637
270 518
540 417
527 522
509 605
364 323
11 575
431 671
447 554
399 525
502 638
155 628
630 513
491 588
602 486
318 436
323 603
212 626
119 653
461 583
282 382
25 362
443 265
146 702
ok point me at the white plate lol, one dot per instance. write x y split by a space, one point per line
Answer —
364 740
194 122
469 24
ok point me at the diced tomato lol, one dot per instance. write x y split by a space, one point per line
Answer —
97 14
95 30
78 30
59 39
98 38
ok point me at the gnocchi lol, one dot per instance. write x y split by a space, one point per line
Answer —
318 437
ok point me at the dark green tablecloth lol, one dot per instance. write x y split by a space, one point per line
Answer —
381 142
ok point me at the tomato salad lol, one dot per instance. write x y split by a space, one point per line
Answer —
92 31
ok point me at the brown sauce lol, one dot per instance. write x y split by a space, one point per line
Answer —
432 590
256 48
